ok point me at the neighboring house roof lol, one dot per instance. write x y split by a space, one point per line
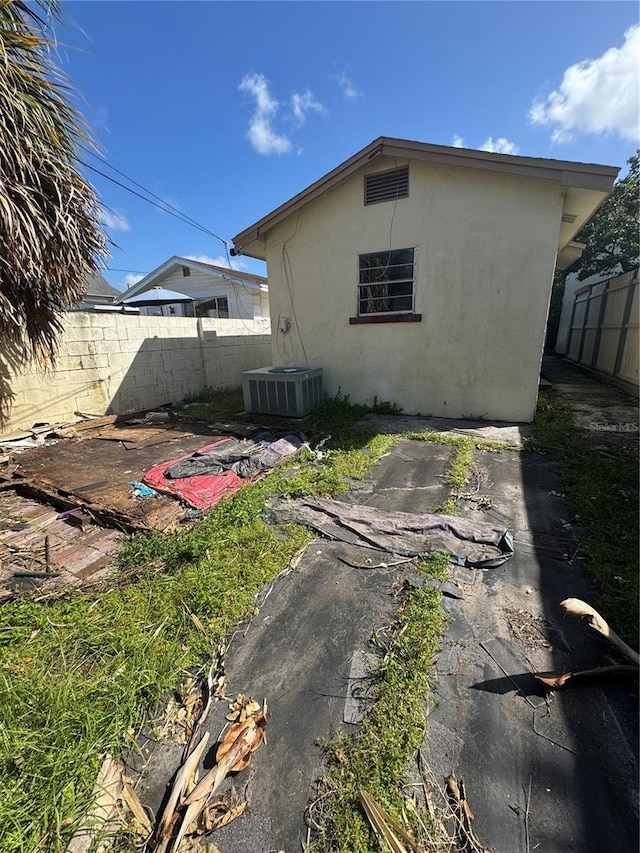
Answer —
586 184
245 279
96 285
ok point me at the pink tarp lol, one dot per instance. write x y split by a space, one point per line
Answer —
201 492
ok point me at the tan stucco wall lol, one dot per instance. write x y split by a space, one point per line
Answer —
485 254
112 363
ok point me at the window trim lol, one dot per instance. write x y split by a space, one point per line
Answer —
387 316
215 299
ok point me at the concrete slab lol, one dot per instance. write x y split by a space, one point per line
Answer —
608 415
508 433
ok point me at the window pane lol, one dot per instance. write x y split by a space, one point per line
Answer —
386 282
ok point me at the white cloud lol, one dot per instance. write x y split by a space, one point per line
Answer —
261 134
348 89
457 141
131 278
499 146
220 261
114 220
596 96
301 103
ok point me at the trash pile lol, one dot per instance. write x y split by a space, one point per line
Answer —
200 479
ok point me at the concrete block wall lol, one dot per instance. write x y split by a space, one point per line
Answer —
115 363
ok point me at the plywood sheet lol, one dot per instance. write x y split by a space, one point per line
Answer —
97 473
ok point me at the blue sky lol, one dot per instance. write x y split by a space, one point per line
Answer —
226 110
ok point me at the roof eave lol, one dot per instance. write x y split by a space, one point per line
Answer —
235 276
569 254
587 176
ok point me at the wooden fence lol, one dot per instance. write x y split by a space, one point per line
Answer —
604 328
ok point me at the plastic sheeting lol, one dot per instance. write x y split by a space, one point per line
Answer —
467 543
215 469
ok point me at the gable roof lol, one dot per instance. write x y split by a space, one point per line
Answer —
587 184
244 279
97 285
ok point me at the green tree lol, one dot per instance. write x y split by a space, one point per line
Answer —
50 232
611 238
612 234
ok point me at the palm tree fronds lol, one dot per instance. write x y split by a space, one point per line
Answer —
50 232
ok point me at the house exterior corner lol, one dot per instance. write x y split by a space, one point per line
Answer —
484 255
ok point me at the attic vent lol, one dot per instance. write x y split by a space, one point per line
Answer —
186 271
569 217
386 186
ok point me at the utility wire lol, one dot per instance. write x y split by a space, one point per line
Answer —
148 191
181 217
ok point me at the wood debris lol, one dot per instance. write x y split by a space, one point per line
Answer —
579 608
234 754
189 811
141 823
102 818
170 816
464 834
555 680
386 828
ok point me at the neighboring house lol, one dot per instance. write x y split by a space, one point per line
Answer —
98 292
218 291
421 274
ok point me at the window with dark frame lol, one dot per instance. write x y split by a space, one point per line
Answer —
217 307
385 282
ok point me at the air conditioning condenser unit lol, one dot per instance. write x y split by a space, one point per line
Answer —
289 391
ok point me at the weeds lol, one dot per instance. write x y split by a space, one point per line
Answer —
602 492
376 757
78 675
460 469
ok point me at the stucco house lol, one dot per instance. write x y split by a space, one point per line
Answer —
217 291
421 274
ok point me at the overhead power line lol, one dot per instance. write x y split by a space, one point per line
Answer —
160 203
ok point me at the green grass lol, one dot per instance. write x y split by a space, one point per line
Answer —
213 405
601 490
79 675
460 469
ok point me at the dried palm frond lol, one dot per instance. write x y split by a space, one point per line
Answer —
50 232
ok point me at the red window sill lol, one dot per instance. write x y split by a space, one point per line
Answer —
385 318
